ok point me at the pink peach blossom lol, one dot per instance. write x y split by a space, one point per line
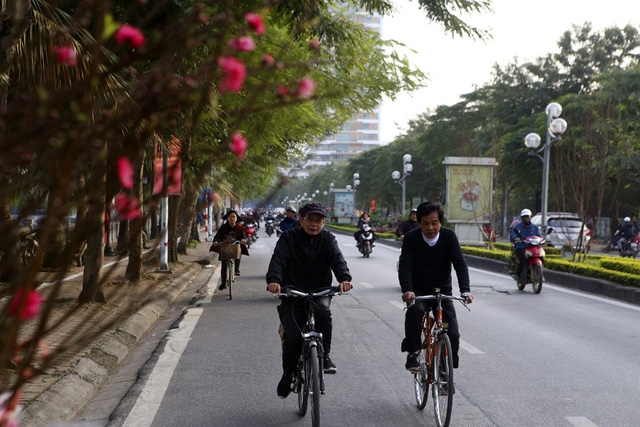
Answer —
256 23
128 207
66 55
267 59
31 306
306 88
314 44
125 172
243 44
238 145
131 35
235 72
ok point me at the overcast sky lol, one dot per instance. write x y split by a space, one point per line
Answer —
523 29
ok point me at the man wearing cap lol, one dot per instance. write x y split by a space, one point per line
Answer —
304 258
407 225
521 231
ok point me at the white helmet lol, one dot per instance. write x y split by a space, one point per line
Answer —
627 219
525 212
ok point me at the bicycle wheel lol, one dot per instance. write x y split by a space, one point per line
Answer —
314 386
230 277
443 381
300 387
420 383
536 278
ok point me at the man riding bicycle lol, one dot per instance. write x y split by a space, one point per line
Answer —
428 252
304 259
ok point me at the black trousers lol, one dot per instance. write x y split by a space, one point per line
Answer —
413 326
293 317
223 269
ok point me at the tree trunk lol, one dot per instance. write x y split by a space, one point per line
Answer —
188 206
134 266
92 290
122 246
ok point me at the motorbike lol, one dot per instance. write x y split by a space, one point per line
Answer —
533 273
269 228
250 233
629 248
365 241
28 245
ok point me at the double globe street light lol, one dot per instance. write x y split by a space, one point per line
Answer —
555 128
407 168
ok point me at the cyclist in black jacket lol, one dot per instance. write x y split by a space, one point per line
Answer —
428 252
304 258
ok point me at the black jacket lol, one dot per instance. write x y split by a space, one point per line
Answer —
306 262
423 268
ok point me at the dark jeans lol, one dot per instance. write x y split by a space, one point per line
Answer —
413 326
522 260
293 317
223 271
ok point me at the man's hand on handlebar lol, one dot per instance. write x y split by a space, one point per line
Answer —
408 297
274 288
468 296
345 286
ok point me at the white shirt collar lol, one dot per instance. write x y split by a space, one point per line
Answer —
431 242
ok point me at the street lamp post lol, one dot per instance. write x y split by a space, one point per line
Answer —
555 128
356 182
407 168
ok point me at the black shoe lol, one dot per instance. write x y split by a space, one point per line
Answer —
222 286
284 386
412 362
329 366
238 273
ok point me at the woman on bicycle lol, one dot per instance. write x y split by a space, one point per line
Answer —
425 264
304 258
230 231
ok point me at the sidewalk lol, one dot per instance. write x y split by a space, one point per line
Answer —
59 393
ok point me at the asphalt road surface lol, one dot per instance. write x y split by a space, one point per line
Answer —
560 358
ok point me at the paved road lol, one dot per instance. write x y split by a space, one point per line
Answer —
561 358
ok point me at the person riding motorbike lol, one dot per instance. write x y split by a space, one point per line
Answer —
364 219
627 231
521 231
289 222
407 225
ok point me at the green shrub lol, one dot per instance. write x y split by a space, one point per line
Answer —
623 265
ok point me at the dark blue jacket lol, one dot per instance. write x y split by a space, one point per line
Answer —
525 231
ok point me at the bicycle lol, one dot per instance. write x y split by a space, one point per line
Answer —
229 253
436 361
309 376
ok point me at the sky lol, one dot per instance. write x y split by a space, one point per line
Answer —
455 66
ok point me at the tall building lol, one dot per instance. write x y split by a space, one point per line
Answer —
362 132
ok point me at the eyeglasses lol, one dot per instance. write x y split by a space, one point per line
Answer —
314 220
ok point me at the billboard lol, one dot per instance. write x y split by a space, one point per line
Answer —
343 204
469 189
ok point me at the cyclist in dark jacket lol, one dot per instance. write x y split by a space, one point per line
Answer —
406 226
304 258
428 252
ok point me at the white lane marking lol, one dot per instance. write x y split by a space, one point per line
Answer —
150 398
469 348
580 422
213 281
398 304
582 294
366 284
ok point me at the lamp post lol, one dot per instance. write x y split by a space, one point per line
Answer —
407 168
555 128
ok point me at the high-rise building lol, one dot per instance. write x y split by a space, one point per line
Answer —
362 132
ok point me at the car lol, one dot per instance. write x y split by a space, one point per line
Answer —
563 229
30 223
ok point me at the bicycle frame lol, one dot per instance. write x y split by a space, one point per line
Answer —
436 360
309 379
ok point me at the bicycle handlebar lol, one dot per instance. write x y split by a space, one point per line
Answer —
291 292
463 299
